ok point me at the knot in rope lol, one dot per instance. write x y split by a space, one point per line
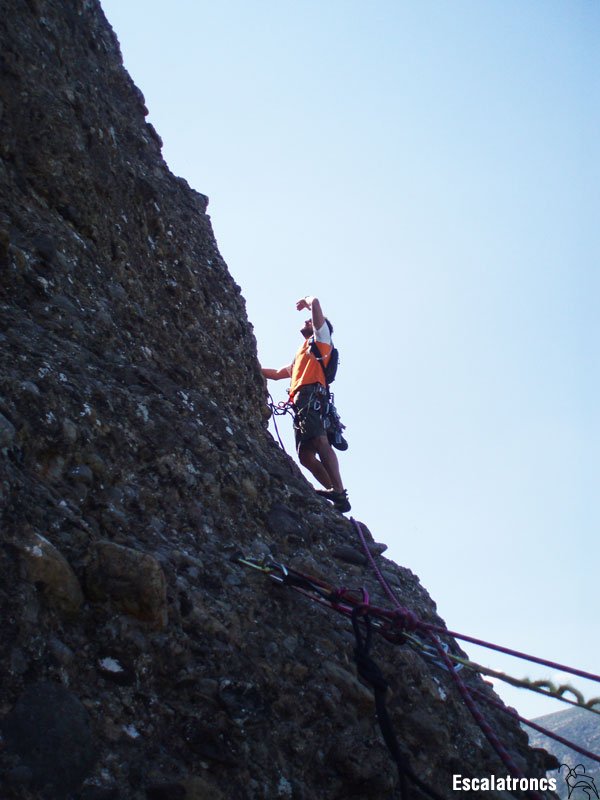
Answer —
406 619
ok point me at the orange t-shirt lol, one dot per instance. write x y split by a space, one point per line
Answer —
306 369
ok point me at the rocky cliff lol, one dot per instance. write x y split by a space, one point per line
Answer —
139 659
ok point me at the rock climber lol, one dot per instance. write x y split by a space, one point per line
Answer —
308 393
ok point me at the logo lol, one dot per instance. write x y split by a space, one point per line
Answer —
503 783
579 783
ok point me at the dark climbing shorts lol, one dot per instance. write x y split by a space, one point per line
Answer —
309 402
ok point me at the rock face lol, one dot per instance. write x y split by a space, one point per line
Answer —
139 659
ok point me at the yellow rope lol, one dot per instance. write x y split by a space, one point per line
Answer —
546 688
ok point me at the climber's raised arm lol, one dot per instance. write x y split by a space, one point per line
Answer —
313 305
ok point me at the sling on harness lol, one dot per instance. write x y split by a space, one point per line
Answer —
331 419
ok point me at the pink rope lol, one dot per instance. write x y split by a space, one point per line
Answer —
552 664
407 620
494 741
512 713
480 642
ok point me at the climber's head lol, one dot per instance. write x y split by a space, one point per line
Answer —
307 329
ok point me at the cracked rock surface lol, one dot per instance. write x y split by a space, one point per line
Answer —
139 659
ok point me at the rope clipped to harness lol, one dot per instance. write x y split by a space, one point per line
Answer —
370 672
279 410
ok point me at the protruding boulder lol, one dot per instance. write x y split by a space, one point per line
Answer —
132 581
45 565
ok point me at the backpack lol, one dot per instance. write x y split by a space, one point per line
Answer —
330 371
331 419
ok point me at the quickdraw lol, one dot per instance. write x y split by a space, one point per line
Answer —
388 623
399 626
366 619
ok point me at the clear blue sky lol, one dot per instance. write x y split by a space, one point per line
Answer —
430 170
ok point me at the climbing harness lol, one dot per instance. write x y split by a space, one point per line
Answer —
320 400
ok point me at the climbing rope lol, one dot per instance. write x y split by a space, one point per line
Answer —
480 642
543 687
354 603
343 600
279 410
590 676
465 692
416 624
515 715
401 626
385 622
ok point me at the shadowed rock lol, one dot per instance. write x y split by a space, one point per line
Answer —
48 729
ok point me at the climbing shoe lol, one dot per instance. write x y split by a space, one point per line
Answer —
337 440
339 499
